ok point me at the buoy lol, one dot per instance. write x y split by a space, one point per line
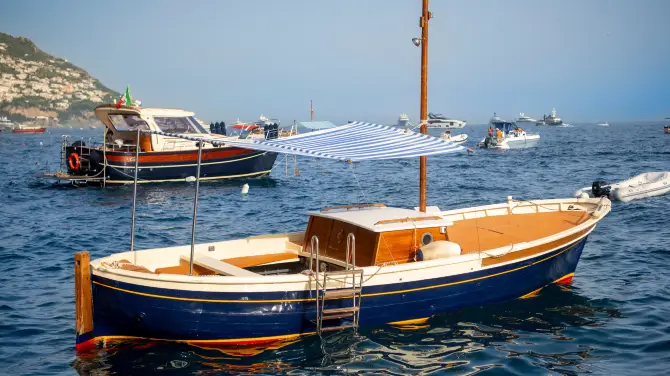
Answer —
245 189
584 195
190 179
41 144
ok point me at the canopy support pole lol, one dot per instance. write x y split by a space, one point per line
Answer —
132 225
423 23
195 208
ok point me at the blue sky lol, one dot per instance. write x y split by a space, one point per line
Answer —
592 60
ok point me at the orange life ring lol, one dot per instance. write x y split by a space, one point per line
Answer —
73 161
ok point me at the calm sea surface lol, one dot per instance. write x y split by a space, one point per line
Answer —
614 319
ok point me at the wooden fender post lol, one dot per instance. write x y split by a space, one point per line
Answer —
83 299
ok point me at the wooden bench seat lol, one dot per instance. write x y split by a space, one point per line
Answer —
218 266
249 261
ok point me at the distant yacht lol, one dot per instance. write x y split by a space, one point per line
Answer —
551 120
605 124
524 119
5 123
403 120
441 121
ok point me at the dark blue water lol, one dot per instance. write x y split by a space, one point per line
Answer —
612 320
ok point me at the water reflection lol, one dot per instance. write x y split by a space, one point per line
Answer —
520 336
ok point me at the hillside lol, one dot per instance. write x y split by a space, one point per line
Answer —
34 83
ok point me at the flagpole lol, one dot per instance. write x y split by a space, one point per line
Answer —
423 23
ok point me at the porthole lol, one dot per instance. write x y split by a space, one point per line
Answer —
426 238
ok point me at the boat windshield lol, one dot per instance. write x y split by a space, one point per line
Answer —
128 122
181 124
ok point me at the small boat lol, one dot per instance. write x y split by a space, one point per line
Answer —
5 123
403 121
455 138
522 118
443 122
163 157
605 124
24 128
507 135
666 129
645 185
552 119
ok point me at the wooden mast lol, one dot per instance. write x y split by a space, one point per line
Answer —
423 23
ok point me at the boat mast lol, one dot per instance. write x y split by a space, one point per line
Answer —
423 23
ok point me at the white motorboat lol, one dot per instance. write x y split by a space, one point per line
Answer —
605 124
524 119
5 123
455 138
403 120
644 185
443 122
507 135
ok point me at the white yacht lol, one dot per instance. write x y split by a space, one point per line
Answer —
524 119
5 123
403 120
441 121
507 135
605 124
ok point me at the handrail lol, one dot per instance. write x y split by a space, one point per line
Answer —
347 207
351 251
315 246
408 219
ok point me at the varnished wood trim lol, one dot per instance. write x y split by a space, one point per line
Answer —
82 293
249 261
535 250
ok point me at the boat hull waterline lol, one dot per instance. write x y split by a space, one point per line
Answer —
247 311
217 163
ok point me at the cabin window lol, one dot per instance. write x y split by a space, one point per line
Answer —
426 238
125 123
178 124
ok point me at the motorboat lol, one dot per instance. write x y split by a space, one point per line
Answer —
28 128
552 119
163 157
605 124
522 118
507 135
645 185
455 138
443 122
5 123
353 265
403 121
666 129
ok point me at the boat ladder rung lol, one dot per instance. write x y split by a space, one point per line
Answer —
341 293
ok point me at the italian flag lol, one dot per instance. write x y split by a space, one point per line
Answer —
125 100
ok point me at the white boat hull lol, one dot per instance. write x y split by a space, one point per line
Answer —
518 142
645 185
456 139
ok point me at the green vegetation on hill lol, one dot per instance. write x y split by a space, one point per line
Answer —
52 84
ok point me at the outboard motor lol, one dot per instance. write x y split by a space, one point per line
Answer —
600 188
211 128
222 129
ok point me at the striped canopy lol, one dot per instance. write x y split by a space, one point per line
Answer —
356 141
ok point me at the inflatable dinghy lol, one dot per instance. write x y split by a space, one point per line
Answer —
644 185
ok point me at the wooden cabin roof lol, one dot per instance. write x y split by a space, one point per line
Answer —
382 218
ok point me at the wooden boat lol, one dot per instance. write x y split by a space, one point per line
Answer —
162 157
365 264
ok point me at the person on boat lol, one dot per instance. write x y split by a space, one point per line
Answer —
499 134
490 131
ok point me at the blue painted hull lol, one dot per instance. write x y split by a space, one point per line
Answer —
129 310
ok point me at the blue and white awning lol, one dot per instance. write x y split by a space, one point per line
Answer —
355 141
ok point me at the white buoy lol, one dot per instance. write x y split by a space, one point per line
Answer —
245 189
41 144
190 179
584 195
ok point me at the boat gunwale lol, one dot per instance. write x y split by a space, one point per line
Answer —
602 208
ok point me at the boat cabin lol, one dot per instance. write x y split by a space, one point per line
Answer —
122 124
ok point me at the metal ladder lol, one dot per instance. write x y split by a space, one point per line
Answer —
350 273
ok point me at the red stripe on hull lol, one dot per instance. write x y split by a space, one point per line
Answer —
153 157
37 130
567 280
